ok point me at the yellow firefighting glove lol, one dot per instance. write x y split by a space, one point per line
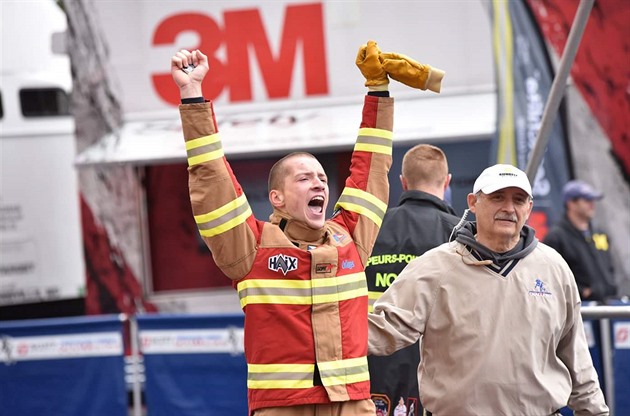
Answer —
370 66
411 72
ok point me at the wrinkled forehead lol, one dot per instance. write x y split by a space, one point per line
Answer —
303 164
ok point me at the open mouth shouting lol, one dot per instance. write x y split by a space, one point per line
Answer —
316 205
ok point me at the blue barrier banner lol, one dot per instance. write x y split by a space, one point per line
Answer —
194 364
68 367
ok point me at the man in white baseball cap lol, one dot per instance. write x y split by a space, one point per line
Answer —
502 176
497 313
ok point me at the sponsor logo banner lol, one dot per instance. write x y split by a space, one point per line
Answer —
224 340
98 344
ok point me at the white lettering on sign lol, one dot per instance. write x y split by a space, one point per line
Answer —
97 344
170 341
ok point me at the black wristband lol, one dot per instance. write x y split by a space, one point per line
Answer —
379 93
193 100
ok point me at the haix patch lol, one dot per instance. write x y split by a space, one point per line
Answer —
283 263
539 289
323 268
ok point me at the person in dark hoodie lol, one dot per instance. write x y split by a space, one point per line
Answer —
421 221
498 314
585 248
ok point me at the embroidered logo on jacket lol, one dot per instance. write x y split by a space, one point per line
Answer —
323 268
539 289
283 263
347 264
339 238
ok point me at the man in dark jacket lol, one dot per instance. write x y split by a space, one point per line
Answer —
584 248
420 222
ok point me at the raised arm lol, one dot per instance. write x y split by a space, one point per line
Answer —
220 208
363 202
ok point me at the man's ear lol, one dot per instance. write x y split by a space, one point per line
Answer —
448 181
472 201
276 198
403 182
531 207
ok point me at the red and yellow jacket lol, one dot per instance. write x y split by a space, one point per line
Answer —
303 291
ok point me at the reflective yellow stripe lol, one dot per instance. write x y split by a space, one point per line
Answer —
372 298
382 142
280 368
196 159
360 210
302 292
373 148
352 370
363 203
351 294
365 195
224 211
374 295
279 384
228 225
203 141
369 131
298 376
278 300
348 362
268 283
345 379
280 376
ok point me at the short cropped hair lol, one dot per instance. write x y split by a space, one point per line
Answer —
424 165
279 170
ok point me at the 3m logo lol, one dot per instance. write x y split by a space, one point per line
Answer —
283 263
241 37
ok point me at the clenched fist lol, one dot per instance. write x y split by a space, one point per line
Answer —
188 70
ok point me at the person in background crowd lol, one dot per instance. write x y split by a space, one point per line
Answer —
498 313
300 278
421 221
585 249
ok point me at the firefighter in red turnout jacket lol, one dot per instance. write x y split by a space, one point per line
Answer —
299 277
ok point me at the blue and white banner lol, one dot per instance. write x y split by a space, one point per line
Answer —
524 78
68 367
194 364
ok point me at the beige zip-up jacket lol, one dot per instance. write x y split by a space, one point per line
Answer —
494 343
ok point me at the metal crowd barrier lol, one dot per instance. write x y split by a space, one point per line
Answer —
602 313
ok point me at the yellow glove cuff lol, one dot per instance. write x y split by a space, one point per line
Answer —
434 82
380 87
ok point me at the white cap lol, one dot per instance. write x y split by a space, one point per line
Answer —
502 176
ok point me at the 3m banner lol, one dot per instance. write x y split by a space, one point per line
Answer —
65 366
194 364
524 77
